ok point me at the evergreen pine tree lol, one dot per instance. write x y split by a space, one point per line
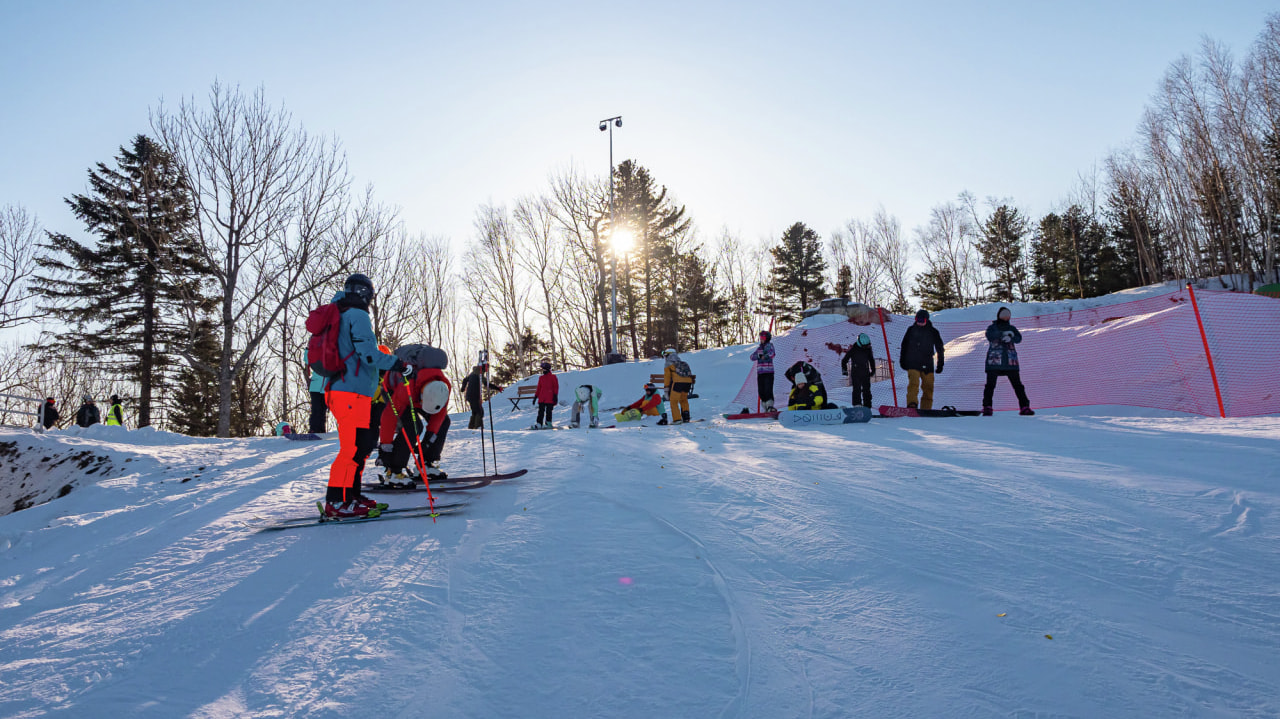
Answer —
844 282
1001 248
120 297
795 280
704 313
936 289
509 368
196 396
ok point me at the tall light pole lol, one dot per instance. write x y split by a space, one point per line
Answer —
609 124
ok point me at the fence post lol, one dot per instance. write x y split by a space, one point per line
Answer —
1222 411
885 333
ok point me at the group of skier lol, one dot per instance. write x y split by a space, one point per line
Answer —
921 344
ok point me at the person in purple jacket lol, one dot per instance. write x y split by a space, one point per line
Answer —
763 357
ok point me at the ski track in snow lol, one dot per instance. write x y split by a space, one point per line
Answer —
715 570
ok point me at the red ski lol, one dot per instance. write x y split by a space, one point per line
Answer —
887 411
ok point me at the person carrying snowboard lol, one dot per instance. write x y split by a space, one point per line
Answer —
919 344
586 397
1002 360
48 413
350 397
678 380
88 414
473 391
547 395
115 415
416 420
650 405
859 365
806 394
763 357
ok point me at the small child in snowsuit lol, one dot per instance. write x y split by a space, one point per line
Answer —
650 405
586 397
547 396
859 365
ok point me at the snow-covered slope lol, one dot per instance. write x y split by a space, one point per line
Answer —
1067 565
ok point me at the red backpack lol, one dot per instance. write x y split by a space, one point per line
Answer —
324 323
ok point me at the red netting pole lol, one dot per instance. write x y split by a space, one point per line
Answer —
1207 355
888 357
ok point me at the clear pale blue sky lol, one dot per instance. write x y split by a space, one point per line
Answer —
755 115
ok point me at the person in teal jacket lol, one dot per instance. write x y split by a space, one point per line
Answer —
350 398
319 413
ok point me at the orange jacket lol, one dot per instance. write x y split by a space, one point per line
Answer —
401 399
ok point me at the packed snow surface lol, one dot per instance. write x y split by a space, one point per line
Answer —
1086 563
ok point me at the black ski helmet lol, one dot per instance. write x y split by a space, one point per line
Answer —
360 286
649 388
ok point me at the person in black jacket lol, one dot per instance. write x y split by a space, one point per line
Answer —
88 414
473 391
48 413
859 365
919 344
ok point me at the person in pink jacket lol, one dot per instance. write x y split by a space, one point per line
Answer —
547 396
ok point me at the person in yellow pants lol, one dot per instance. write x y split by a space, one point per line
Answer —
919 344
678 379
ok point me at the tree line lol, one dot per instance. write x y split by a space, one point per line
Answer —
209 237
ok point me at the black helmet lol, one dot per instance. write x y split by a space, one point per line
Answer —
649 388
546 366
360 286
115 399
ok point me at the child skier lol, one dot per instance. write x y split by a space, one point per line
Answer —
859 365
415 420
650 405
763 357
1002 360
678 379
547 396
586 396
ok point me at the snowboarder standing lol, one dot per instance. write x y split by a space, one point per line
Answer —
48 413
919 344
1002 360
417 420
763 357
350 398
473 390
88 414
586 397
859 365
678 379
548 395
115 414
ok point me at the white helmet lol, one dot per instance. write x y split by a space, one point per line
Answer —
583 393
435 395
668 351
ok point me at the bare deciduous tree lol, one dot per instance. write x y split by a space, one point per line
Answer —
19 233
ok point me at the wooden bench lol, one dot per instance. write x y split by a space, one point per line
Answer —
658 379
524 392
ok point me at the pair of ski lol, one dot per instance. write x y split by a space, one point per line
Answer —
266 524
453 484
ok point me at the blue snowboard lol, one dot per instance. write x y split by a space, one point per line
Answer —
302 437
812 417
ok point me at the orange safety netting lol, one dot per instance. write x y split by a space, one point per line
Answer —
1143 353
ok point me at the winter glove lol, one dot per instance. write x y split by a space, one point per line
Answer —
407 372
939 369
399 366
1008 337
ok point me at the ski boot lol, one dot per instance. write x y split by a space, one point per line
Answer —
684 415
573 425
1026 411
434 473
986 411
663 420
346 510
364 501
399 480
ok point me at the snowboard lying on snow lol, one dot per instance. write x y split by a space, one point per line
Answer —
811 417
302 437
752 415
887 411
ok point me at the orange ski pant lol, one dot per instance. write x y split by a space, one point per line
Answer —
351 410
